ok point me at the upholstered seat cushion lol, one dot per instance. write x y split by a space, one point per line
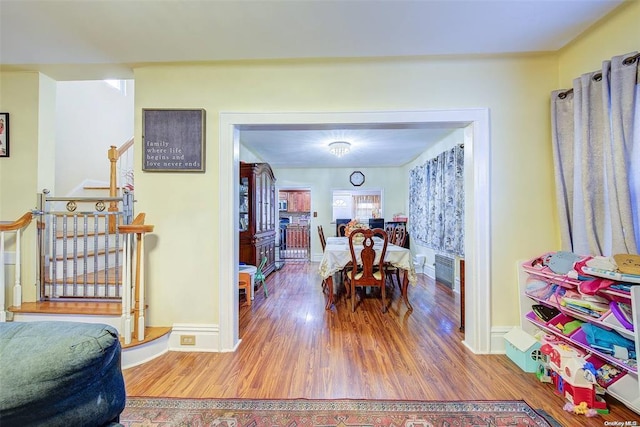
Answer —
59 374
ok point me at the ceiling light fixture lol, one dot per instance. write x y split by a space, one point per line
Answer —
339 148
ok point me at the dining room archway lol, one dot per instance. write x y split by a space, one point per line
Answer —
477 206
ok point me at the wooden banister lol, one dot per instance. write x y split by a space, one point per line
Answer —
21 222
124 147
16 226
137 226
114 154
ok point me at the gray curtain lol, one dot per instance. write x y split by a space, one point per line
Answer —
436 202
596 152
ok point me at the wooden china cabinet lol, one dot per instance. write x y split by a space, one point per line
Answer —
258 215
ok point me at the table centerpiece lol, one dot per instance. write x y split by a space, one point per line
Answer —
355 225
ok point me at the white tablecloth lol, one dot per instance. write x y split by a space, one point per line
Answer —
337 255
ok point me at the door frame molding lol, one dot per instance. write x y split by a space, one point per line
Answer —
477 207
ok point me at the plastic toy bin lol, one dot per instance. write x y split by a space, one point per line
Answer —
559 321
523 349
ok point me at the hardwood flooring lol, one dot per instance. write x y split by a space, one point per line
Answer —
293 348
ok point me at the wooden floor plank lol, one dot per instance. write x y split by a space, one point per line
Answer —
293 348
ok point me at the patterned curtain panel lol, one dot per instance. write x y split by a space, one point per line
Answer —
436 203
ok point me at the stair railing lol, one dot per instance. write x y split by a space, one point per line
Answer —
133 294
16 226
121 160
78 255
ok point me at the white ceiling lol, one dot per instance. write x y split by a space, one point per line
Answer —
371 146
99 39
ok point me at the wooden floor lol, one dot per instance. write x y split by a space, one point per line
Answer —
293 348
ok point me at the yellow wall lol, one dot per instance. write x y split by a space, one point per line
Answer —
183 252
617 34
29 98
515 89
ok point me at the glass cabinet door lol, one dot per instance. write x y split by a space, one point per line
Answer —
244 204
257 209
264 224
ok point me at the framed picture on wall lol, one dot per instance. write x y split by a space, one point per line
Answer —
4 134
173 140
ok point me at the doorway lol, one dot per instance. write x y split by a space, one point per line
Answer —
293 241
477 205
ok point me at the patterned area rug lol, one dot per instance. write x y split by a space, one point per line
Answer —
152 412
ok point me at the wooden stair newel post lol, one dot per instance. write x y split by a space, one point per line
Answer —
138 328
126 290
113 186
18 226
133 298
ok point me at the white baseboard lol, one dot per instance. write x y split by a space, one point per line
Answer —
497 339
134 356
429 270
206 336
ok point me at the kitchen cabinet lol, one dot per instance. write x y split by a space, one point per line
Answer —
297 201
257 215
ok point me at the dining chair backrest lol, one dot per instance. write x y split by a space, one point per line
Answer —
380 233
390 229
368 275
367 272
399 235
323 241
341 230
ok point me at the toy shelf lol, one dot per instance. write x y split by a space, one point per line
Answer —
618 277
577 339
616 295
625 388
607 321
545 273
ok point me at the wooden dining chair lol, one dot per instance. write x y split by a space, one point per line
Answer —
341 230
323 241
369 272
400 235
244 282
390 229
398 238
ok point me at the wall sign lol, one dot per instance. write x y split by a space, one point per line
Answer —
173 140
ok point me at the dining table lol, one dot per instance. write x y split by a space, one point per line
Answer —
337 255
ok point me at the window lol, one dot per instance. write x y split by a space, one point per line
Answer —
361 204
120 85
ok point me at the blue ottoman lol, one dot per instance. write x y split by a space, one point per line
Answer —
60 374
